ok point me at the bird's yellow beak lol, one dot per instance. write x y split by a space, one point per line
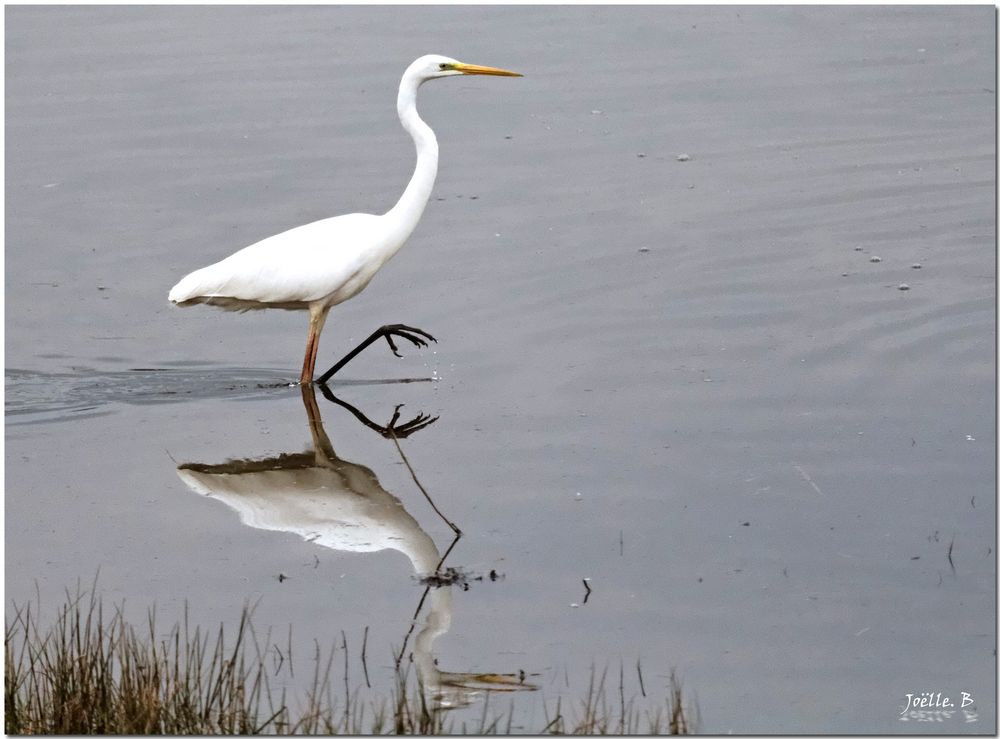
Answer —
476 69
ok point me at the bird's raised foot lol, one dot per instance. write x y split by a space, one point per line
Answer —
416 336
420 421
411 334
391 429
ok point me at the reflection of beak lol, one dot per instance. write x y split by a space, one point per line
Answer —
476 69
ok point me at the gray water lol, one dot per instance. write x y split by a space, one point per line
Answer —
666 359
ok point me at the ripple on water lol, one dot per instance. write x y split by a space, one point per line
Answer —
39 397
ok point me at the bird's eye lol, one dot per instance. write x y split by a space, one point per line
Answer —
443 65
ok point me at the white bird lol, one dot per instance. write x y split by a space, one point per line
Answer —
316 266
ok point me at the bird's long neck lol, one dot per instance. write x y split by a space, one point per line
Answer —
406 213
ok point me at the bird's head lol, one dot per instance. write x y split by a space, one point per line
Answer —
433 66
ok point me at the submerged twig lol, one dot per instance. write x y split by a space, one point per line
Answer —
621 696
364 661
347 687
422 489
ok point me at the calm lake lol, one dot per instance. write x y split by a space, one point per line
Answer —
714 291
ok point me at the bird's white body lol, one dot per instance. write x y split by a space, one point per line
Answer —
342 255
318 265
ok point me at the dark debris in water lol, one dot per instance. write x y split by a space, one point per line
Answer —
458 577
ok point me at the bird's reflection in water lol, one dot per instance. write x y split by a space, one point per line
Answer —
341 505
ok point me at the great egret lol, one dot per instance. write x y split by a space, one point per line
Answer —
316 266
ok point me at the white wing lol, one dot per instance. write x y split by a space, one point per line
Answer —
303 264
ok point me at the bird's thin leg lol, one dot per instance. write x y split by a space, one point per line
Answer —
416 423
305 377
413 335
317 317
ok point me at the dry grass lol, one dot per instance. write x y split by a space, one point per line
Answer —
601 713
90 672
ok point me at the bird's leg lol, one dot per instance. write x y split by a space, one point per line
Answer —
413 335
401 431
305 378
317 317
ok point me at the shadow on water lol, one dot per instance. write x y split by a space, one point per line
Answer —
335 503
41 397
